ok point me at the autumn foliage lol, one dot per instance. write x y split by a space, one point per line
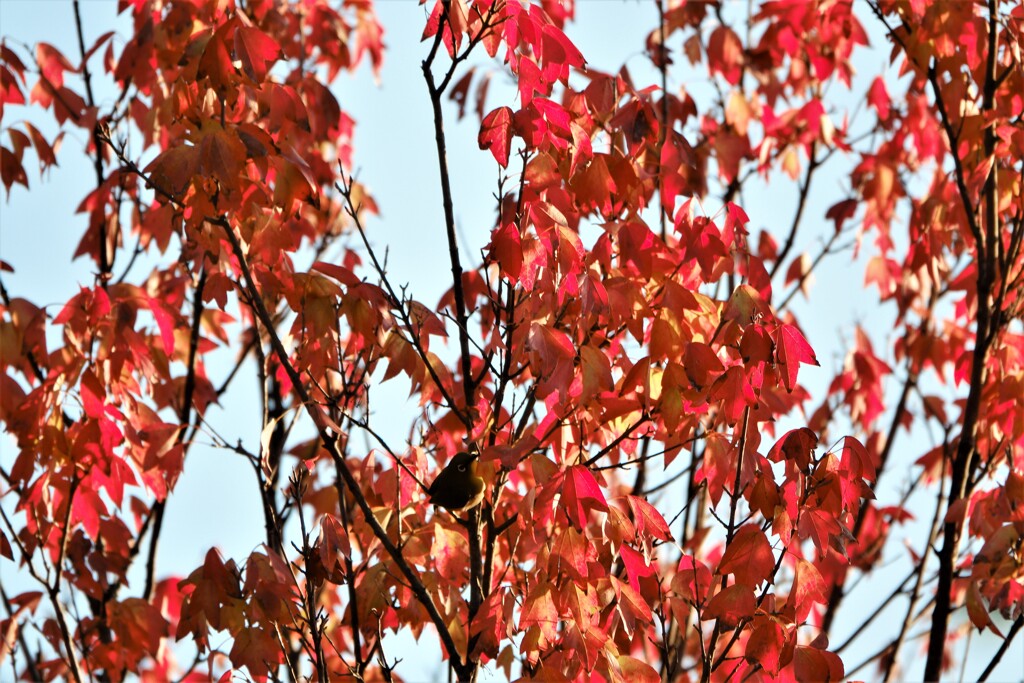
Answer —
678 487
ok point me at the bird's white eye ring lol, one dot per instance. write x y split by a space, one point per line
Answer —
462 468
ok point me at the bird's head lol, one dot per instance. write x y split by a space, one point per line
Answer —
464 462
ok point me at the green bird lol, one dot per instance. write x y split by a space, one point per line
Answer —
458 487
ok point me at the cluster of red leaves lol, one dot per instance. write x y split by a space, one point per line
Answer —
593 341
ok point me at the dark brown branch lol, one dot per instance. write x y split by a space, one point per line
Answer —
346 190
1003 647
965 458
330 442
619 439
184 420
30 665
730 532
876 613
805 189
436 94
662 65
104 259
836 595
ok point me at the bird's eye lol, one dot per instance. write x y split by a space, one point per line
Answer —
462 468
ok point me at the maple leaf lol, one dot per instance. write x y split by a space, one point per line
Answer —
632 670
725 53
632 607
765 646
581 494
539 611
553 356
173 170
730 605
450 552
796 446
138 622
878 97
648 519
748 556
506 249
637 566
595 372
572 552
256 649
808 588
488 625
256 50
496 134
977 611
791 350
812 664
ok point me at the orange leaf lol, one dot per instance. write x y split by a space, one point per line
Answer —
634 670
539 610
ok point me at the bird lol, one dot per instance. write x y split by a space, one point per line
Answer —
458 487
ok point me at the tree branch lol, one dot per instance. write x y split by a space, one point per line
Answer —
330 442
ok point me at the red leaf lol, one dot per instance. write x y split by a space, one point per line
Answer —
256 50
450 552
339 273
637 566
570 553
552 357
52 64
795 446
257 649
749 557
165 321
878 97
791 350
507 250
808 588
580 494
631 605
11 170
857 459
334 543
765 645
496 134
977 611
812 664
595 373
293 182
734 391
841 212
216 64
731 604
648 519
172 171
138 622
725 54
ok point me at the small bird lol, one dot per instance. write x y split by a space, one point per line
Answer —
458 487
